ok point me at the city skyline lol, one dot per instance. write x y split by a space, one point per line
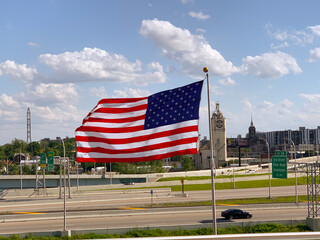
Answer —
60 58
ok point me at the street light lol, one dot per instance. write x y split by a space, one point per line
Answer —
268 165
20 170
64 188
295 170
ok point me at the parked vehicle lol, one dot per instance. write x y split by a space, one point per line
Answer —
129 183
235 213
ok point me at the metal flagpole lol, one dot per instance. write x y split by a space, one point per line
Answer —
212 159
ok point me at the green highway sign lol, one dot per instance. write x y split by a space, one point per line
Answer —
50 161
43 160
279 167
281 153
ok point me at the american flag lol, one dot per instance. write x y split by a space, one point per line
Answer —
162 125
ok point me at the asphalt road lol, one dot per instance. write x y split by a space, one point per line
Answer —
117 209
132 198
142 218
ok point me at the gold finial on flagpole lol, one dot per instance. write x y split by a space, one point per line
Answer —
205 69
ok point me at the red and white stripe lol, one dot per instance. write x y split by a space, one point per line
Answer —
114 132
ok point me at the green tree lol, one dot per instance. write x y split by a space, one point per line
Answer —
1 167
33 149
26 170
14 169
33 169
187 163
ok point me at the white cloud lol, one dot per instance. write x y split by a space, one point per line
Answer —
227 82
58 113
289 37
92 64
286 103
314 54
191 51
216 90
7 100
200 30
47 94
315 30
33 44
199 15
100 92
282 45
310 112
267 114
270 65
247 105
17 71
312 98
187 1
130 92
155 75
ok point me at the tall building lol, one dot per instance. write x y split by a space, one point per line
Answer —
219 136
252 130
303 139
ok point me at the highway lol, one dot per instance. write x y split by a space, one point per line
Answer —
141 218
131 209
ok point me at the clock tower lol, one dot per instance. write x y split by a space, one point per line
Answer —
219 136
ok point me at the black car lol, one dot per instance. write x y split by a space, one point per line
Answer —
235 213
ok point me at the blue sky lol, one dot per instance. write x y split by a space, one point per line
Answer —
60 57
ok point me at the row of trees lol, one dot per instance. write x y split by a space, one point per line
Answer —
8 151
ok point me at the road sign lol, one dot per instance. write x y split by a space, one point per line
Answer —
279 167
43 160
182 180
50 161
281 153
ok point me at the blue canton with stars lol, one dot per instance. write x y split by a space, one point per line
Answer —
173 106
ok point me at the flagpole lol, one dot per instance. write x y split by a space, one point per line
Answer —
212 158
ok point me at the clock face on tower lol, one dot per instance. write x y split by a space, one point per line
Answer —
219 124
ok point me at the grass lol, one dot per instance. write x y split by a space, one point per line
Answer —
195 178
229 185
260 228
288 199
242 184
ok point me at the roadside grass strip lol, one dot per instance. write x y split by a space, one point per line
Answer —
194 178
233 202
149 233
242 184
228 185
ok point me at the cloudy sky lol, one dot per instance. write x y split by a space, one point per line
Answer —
58 58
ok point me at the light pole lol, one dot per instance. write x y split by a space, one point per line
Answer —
268 165
234 183
20 170
295 170
64 188
110 175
